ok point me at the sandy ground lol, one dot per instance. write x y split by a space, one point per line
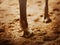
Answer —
44 33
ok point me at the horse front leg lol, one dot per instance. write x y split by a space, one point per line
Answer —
46 18
23 18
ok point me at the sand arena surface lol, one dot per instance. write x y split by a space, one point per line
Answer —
45 34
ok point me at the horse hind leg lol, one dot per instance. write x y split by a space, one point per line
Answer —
23 19
46 18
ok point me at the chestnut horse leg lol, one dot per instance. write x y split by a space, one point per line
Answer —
46 15
23 18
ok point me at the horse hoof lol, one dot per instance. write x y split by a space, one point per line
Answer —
47 20
28 34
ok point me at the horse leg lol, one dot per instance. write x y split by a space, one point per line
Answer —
23 18
46 18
